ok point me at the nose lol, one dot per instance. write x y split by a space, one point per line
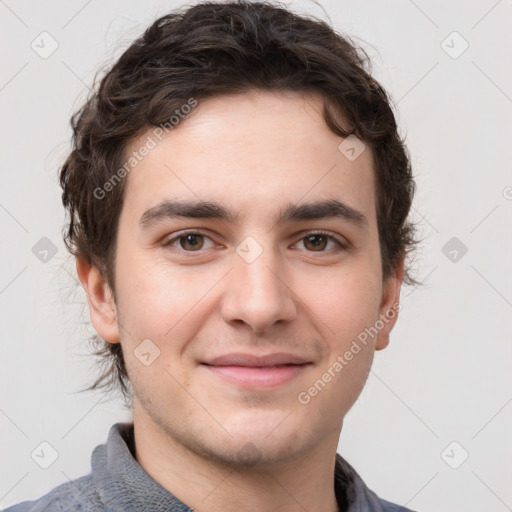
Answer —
258 294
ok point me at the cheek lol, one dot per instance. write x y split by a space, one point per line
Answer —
346 301
158 300
346 309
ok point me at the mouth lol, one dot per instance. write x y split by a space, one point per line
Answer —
261 377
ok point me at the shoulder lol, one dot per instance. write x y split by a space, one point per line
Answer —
387 506
375 503
74 496
356 495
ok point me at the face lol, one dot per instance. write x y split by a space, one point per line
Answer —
287 262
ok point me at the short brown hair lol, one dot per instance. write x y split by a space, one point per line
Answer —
209 49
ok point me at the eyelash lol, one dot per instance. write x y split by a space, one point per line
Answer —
341 245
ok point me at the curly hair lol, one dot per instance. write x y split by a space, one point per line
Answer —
209 49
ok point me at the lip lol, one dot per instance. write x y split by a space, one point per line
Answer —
260 372
253 360
258 377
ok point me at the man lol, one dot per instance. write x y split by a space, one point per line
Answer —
238 199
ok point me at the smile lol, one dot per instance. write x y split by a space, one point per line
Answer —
258 376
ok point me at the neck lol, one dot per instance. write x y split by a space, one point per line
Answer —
306 483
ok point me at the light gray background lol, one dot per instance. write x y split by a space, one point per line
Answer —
446 375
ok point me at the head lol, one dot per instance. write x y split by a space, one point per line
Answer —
238 184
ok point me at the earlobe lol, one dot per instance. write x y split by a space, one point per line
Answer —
101 302
389 306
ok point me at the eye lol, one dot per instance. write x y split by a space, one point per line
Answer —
194 241
190 241
318 241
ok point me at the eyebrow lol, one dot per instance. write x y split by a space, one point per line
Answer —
171 209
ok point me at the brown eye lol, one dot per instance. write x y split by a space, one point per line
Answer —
191 242
316 242
319 242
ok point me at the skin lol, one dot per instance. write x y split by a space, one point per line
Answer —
253 153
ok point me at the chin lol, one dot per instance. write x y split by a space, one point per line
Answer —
244 452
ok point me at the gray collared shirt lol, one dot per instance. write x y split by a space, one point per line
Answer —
117 483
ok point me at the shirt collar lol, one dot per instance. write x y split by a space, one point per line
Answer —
124 486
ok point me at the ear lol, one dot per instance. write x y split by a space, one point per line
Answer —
101 302
389 307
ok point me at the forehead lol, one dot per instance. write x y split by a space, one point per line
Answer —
254 150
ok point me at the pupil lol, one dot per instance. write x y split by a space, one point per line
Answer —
191 240
320 240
